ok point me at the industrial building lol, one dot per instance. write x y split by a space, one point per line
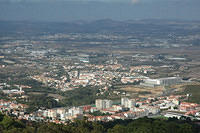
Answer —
161 81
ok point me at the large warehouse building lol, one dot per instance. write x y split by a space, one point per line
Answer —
161 81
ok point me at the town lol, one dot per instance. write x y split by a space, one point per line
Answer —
106 110
63 76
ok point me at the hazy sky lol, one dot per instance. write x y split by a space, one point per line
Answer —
68 10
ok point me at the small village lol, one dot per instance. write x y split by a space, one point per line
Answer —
105 110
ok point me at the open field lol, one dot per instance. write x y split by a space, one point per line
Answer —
56 96
49 95
194 91
143 91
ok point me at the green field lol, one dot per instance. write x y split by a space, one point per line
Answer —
194 90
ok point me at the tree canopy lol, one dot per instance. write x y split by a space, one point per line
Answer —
142 125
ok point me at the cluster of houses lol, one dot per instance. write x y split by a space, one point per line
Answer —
5 88
106 110
95 75
13 108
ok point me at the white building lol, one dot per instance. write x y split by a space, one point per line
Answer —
161 81
169 81
128 103
103 104
75 111
151 109
52 113
152 81
124 101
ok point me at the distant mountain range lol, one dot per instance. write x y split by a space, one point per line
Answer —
100 26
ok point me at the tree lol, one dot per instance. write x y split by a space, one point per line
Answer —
185 128
117 129
7 122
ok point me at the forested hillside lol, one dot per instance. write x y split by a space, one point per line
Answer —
143 125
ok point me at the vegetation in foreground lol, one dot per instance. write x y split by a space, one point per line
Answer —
142 125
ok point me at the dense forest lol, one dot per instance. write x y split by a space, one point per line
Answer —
142 125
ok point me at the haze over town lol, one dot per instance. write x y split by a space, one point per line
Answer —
99 66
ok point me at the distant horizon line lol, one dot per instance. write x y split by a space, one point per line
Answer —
103 19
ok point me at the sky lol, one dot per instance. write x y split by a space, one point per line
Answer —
70 10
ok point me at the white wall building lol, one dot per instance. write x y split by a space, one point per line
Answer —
128 103
103 104
161 81
75 111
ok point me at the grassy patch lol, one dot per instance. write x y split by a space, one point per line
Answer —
194 90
